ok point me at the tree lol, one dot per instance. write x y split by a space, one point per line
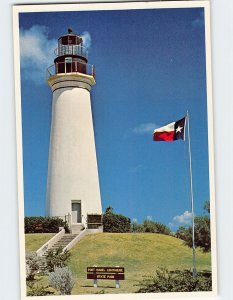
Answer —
202 233
184 233
206 206
115 222
109 210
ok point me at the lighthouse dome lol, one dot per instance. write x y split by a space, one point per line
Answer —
71 44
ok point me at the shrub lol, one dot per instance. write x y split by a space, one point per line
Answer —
176 281
57 259
62 280
44 224
115 223
135 227
32 266
150 226
38 290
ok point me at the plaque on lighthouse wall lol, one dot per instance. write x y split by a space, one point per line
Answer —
115 150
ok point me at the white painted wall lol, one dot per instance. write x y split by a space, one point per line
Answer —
72 172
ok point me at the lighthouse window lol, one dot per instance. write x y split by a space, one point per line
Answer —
65 40
72 39
68 60
68 64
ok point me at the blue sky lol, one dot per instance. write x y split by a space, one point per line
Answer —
150 69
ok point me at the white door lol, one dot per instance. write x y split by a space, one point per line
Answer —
76 212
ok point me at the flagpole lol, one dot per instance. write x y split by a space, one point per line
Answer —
192 201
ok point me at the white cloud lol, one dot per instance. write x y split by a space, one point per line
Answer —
134 220
181 220
86 39
145 128
36 53
149 218
184 219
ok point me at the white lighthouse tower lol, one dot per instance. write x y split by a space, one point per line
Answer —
73 183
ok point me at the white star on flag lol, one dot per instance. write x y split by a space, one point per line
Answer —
178 129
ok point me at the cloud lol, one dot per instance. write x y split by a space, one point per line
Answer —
86 39
134 220
181 220
36 53
184 219
145 128
199 21
149 218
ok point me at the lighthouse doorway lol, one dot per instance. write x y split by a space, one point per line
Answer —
76 212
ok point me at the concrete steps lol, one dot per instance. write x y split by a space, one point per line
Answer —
63 242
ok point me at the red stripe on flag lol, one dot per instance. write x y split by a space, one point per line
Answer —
164 136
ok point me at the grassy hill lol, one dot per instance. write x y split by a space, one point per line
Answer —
35 240
139 253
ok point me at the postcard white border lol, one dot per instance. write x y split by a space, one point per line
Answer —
114 6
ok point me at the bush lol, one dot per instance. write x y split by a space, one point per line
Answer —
62 280
38 290
135 227
57 259
115 223
150 226
44 224
176 281
32 266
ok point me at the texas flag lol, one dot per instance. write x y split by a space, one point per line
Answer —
171 132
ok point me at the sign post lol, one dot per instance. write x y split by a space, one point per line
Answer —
117 284
95 283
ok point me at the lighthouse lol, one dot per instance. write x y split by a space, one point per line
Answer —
73 182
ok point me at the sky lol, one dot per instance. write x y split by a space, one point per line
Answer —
150 69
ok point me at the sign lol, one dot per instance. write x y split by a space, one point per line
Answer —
106 276
110 273
105 270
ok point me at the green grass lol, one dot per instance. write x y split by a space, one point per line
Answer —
139 253
33 241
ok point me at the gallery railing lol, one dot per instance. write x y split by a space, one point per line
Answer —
71 50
